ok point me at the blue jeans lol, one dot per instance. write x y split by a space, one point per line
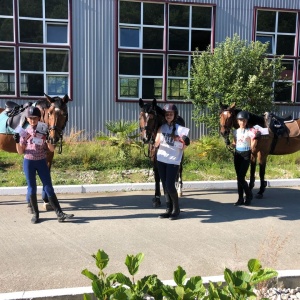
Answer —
168 173
31 167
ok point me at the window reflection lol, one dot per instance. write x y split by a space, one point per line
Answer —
57 33
31 59
31 31
31 8
6 30
56 9
7 58
57 61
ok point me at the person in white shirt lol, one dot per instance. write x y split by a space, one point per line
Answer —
243 138
169 154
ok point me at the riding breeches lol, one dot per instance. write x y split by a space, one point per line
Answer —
31 167
168 174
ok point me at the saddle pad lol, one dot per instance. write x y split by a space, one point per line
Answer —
293 128
3 126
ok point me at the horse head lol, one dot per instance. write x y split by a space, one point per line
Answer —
227 120
148 120
54 112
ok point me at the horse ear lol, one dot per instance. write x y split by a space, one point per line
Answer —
50 99
233 105
154 102
141 103
66 98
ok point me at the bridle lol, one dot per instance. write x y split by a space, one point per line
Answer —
227 117
149 132
55 112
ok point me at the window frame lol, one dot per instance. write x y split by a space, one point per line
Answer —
43 45
294 57
140 50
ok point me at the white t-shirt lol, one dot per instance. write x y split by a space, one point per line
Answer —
169 151
243 139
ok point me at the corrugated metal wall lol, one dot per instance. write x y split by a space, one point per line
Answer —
93 60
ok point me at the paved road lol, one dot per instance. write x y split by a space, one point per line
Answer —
210 235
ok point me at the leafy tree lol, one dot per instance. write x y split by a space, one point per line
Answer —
236 71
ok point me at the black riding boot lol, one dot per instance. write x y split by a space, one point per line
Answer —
169 208
61 216
176 211
241 195
29 208
35 208
248 193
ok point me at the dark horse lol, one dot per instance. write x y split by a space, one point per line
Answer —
271 144
151 118
54 112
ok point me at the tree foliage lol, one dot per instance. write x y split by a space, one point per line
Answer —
236 71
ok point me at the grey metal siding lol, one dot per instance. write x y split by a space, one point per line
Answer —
93 32
93 59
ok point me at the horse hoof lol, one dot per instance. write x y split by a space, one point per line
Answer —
259 196
156 202
47 206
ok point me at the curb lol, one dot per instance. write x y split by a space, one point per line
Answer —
128 187
289 278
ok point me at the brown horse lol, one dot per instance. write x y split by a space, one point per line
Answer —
271 144
150 119
54 112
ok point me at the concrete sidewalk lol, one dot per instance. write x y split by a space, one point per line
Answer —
210 235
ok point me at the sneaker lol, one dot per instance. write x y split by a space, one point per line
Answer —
239 203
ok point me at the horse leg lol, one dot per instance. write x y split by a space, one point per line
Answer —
156 200
252 174
46 205
263 183
179 181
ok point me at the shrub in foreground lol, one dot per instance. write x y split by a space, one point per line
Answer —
237 285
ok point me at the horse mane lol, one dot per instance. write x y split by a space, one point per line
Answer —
256 120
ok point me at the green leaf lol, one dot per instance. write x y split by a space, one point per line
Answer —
89 274
133 262
254 265
87 297
179 276
121 279
102 259
179 291
169 292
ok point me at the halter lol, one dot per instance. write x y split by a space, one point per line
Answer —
228 124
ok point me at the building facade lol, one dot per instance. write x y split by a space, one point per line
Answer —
106 54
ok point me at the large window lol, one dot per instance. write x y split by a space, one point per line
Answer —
279 30
35 56
155 45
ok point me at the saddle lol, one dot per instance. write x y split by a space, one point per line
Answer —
15 115
284 126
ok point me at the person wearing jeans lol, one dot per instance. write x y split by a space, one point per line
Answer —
34 146
169 154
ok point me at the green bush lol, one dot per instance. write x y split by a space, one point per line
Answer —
238 284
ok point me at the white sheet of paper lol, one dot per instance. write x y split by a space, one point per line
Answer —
263 131
37 141
21 131
41 127
183 130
